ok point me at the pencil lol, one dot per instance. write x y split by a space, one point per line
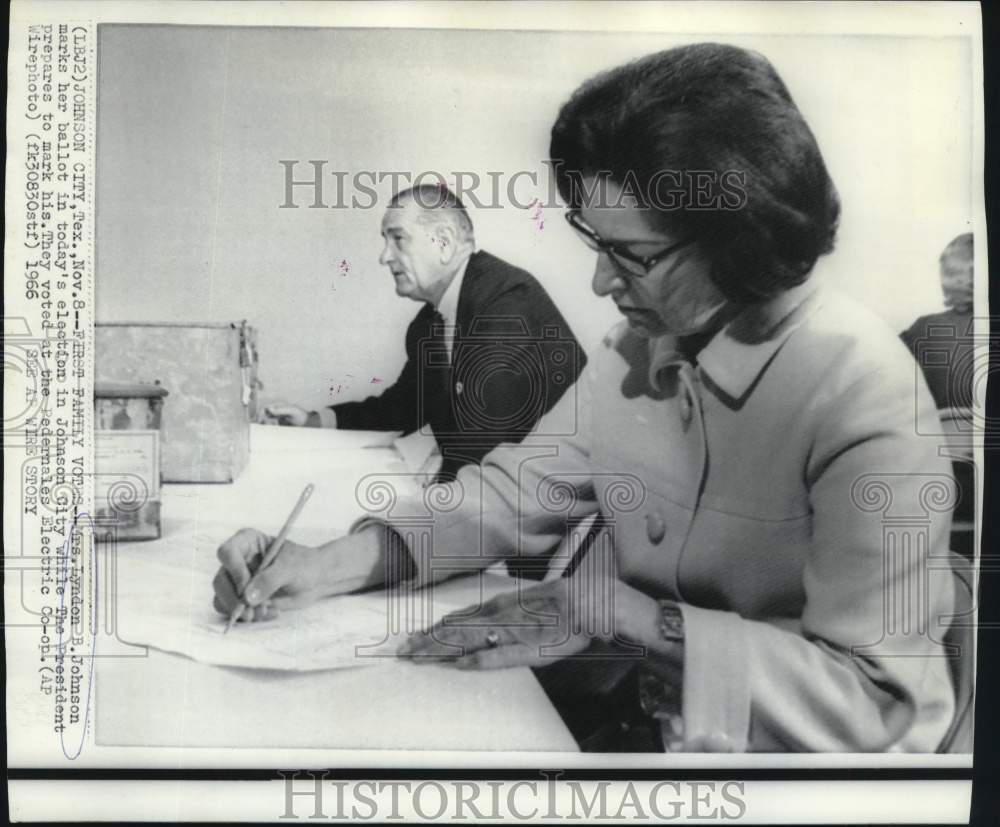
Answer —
271 554
597 525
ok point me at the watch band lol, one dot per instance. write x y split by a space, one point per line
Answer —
661 700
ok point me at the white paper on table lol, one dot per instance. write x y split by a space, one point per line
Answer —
420 454
278 439
165 601
345 490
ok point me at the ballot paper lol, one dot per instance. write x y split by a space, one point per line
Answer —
164 600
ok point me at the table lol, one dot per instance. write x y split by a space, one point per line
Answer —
161 699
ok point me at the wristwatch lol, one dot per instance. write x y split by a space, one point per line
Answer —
661 700
671 622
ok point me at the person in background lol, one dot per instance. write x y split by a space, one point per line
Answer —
739 431
487 354
944 346
942 343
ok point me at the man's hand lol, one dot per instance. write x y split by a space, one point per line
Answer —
288 414
298 576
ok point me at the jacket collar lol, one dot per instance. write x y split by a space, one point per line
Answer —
738 354
475 286
448 306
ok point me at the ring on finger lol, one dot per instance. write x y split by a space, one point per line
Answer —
492 639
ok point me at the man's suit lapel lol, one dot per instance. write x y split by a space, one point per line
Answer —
474 294
466 309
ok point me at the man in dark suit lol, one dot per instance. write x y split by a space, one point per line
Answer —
487 354
944 346
943 343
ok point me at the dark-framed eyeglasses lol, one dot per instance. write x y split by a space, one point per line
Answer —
632 262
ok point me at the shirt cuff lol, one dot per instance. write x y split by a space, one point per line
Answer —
362 523
327 417
419 538
716 697
400 564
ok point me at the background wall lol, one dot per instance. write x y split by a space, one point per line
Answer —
193 122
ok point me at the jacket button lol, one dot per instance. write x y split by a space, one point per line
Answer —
459 387
656 528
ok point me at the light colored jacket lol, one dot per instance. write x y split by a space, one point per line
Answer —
779 490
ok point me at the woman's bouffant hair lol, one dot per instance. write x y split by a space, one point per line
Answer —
709 138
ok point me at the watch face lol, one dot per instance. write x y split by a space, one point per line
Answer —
671 623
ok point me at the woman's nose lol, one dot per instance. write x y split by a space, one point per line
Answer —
607 277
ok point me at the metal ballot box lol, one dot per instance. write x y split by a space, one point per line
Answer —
211 373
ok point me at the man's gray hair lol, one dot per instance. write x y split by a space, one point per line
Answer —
958 249
438 205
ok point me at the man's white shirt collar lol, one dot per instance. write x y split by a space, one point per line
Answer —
448 306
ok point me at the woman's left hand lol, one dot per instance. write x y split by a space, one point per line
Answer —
537 626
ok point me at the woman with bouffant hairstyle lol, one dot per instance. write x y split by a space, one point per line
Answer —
743 441
713 124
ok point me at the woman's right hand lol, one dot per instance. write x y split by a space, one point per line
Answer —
299 575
